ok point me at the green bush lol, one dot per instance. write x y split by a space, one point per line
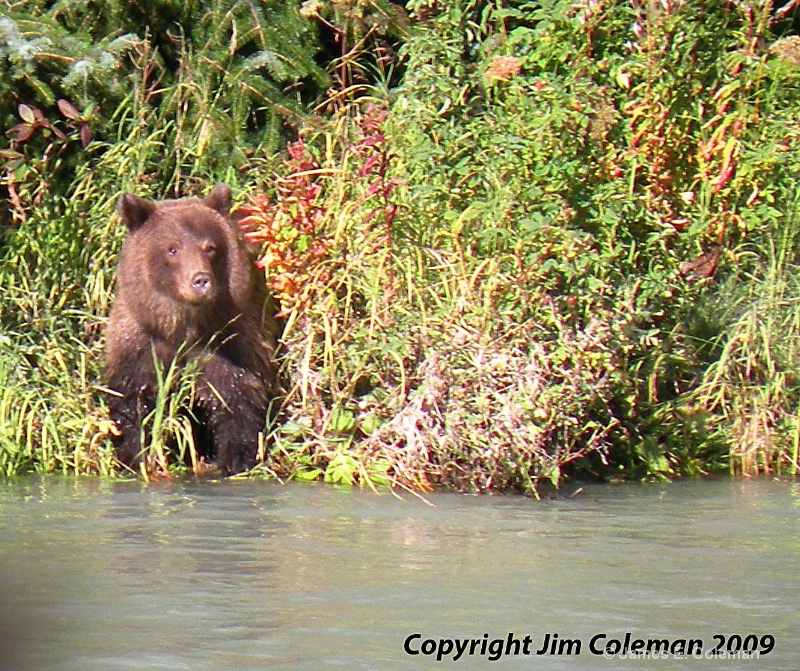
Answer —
208 84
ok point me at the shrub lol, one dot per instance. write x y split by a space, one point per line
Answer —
569 186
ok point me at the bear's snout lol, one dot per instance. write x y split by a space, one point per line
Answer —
203 284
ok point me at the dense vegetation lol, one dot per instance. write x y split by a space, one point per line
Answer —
511 241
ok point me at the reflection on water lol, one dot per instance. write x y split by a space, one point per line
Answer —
247 575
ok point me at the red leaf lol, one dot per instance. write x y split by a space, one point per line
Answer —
26 113
23 131
10 154
370 141
369 164
86 135
68 109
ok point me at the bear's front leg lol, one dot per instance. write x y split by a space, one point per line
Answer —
127 412
133 384
235 402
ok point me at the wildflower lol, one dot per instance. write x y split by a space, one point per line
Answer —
503 68
788 49
310 9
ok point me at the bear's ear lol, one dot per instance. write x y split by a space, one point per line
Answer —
219 199
134 210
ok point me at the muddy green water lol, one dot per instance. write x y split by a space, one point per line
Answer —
247 575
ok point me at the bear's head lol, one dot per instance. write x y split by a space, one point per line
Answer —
182 262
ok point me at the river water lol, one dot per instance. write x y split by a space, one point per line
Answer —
97 574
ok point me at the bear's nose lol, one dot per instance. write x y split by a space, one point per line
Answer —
202 283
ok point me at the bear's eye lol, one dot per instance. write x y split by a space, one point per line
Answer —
173 250
210 248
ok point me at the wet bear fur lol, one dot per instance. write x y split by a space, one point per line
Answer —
186 289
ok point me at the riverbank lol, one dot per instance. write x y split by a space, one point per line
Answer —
561 243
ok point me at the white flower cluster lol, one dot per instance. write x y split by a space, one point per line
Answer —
14 46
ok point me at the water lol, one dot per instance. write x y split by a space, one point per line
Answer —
250 575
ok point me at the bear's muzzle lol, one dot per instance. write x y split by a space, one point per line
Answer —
203 286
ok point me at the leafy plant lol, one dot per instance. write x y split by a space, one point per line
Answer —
290 231
220 78
363 35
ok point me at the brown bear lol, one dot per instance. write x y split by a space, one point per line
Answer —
186 289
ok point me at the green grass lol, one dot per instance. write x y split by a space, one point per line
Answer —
752 385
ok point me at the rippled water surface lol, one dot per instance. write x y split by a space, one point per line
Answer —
247 575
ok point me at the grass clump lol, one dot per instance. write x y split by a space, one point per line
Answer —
750 389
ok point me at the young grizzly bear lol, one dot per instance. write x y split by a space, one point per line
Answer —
186 289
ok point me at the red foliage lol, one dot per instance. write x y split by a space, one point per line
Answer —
291 227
